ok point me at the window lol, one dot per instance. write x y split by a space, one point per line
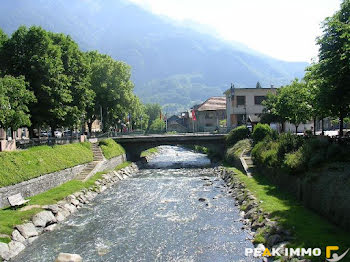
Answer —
240 100
209 115
258 99
241 119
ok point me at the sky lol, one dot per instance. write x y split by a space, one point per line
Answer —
283 29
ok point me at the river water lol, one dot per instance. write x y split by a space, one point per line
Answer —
176 210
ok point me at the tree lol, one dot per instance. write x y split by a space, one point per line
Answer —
31 53
14 100
258 85
139 117
3 37
110 81
291 103
334 62
153 111
157 126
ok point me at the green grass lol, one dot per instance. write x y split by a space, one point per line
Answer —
149 152
10 217
310 229
19 166
110 148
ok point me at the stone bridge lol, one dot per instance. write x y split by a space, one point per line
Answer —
134 145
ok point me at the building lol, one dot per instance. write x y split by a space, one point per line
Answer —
244 105
209 114
176 124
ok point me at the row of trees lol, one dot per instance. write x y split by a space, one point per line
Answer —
47 81
325 89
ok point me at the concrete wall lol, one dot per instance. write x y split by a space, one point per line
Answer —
45 182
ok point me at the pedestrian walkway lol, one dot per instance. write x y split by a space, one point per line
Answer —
98 157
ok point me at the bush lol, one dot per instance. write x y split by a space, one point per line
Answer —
260 132
288 143
265 153
294 161
110 148
237 134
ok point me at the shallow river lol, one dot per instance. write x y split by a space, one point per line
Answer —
161 214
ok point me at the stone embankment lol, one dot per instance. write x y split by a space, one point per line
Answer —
47 220
255 219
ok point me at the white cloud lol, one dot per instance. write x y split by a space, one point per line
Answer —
285 29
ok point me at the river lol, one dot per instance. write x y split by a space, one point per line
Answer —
175 210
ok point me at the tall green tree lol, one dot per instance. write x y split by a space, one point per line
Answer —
14 100
291 103
3 37
110 81
31 53
153 111
258 85
334 62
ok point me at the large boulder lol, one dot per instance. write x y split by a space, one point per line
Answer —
65 257
27 230
15 248
17 236
43 218
4 251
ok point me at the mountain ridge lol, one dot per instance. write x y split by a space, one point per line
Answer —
173 65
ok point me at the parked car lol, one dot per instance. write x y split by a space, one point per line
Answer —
58 134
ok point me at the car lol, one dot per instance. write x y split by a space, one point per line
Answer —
58 134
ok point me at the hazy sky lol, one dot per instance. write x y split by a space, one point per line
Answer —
284 29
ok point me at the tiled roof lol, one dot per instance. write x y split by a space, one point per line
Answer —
214 103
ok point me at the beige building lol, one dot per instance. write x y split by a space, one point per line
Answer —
244 105
210 113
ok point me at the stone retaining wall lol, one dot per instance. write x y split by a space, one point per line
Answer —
39 184
45 182
326 192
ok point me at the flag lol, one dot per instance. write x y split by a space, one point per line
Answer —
194 116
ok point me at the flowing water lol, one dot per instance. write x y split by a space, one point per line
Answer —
161 214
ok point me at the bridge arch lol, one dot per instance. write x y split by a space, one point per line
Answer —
134 145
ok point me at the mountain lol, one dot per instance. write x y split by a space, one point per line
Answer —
173 65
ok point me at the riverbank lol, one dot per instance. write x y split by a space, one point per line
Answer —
278 219
54 206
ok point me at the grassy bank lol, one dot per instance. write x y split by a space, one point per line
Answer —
110 148
10 217
149 152
309 229
19 166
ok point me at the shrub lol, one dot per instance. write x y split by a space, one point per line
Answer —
260 132
265 153
239 133
294 161
288 143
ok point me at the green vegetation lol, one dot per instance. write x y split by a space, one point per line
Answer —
157 126
310 229
52 83
14 100
19 166
260 132
110 148
237 134
149 152
233 154
10 217
297 155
